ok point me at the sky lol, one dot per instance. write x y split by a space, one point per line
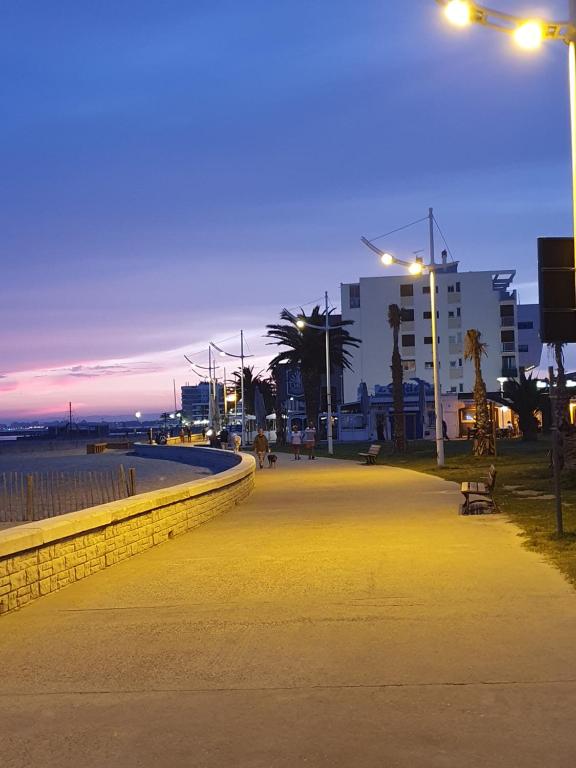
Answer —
174 171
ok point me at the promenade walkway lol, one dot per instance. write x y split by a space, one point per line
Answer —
343 617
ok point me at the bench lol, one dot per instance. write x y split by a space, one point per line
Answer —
373 452
483 490
96 447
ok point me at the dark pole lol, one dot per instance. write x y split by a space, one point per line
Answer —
555 453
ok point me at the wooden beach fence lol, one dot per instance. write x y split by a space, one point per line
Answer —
27 496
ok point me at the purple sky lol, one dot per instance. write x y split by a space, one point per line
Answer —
173 172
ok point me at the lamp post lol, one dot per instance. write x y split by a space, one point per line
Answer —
418 268
301 323
240 357
528 33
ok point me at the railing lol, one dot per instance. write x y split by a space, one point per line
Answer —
508 346
510 373
26 496
507 322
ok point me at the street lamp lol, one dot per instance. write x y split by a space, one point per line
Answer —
528 34
301 324
418 268
240 357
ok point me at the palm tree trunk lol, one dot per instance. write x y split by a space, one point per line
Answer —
398 397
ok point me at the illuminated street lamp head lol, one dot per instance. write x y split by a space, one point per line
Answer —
458 12
387 259
138 414
300 324
415 268
529 35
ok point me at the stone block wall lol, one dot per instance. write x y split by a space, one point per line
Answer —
42 557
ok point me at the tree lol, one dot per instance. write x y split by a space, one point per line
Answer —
474 348
305 349
561 412
394 320
250 381
279 407
525 399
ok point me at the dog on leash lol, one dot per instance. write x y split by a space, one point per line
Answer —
272 459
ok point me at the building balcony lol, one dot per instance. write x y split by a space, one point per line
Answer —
454 322
508 346
454 298
455 349
507 322
408 327
408 352
510 373
406 301
456 373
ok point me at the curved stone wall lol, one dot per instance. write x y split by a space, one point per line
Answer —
44 556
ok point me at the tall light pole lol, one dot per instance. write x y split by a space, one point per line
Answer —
301 323
418 268
240 357
528 33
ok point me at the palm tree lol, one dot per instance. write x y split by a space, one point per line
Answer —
474 348
394 321
250 381
561 413
306 350
525 399
279 407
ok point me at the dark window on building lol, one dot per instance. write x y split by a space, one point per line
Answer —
506 310
407 315
526 325
428 315
523 348
355 296
450 289
408 340
429 365
457 287
428 339
426 289
461 387
407 289
458 312
507 336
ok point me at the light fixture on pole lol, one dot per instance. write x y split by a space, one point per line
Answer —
240 357
301 323
417 268
529 34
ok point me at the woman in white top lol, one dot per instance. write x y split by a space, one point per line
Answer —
296 442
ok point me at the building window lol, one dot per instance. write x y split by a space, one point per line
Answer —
426 289
453 390
407 289
453 363
450 314
355 296
407 315
452 339
428 339
429 365
459 362
507 336
461 386
526 325
408 340
408 366
450 289
457 287
428 315
458 312
506 310
522 347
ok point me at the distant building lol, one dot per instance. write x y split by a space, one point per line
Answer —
482 300
195 400
529 344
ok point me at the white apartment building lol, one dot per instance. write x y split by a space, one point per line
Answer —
481 300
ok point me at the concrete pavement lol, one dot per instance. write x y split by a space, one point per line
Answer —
343 616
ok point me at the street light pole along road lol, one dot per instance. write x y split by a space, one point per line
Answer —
302 323
528 33
418 268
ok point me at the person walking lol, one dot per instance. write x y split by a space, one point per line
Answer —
296 442
309 439
224 437
261 447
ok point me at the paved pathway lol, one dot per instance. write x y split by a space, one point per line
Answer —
343 617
